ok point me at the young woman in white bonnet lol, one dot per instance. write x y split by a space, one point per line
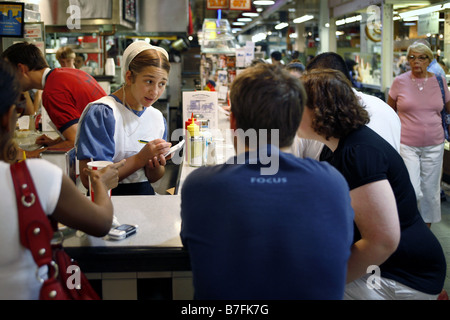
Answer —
110 128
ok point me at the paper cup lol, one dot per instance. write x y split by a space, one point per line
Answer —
97 165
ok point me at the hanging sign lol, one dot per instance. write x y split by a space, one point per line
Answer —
428 23
242 5
217 4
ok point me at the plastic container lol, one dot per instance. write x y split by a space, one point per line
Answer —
110 67
217 36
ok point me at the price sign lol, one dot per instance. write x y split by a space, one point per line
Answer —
217 4
242 5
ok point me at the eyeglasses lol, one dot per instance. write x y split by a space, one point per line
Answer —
420 58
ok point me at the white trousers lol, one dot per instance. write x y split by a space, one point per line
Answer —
425 168
385 289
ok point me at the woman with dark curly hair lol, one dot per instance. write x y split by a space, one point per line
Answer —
390 235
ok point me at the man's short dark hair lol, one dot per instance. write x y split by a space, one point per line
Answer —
276 55
329 60
25 53
267 97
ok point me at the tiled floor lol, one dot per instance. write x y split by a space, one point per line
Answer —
442 232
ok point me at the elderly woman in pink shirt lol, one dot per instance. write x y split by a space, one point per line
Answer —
417 98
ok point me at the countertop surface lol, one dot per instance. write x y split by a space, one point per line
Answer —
155 247
157 217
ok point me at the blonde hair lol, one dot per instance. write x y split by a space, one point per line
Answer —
422 49
65 53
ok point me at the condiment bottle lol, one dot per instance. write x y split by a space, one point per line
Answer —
195 147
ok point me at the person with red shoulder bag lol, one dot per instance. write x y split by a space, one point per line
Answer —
46 192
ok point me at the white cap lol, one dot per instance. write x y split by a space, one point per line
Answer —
134 49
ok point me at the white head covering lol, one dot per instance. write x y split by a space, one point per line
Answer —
134 49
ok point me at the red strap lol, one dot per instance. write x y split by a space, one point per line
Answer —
35 230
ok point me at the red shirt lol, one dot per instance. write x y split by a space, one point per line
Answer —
66 93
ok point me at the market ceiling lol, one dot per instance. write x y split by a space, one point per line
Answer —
279 11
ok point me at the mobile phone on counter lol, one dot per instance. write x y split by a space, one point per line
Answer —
122 232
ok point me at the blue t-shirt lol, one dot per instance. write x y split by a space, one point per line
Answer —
282 236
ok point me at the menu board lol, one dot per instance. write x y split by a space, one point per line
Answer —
240 5
217 4
203 104
11 19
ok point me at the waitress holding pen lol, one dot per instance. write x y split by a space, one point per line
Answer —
112 127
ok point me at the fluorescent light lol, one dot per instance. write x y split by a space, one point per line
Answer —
263 3
244 19
259 37
416 3
238 23
348 20
418 12
353 19
250 14
281 25
303 19
416 18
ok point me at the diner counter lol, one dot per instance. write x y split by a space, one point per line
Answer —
150 264
155 247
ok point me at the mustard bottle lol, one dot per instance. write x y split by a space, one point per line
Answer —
195 148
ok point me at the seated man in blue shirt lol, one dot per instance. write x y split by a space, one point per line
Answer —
260 230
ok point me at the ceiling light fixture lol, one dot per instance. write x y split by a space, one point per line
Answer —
250 14
281 25
303 18
244 19
263 3
259 37
418 12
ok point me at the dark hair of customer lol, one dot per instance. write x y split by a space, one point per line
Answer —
258 103
276 55
257 61
337 112
329 60
27 54
297 66
9 94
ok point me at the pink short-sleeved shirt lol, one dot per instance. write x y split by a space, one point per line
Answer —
419 111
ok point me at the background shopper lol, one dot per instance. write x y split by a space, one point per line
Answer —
66 92
417 98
